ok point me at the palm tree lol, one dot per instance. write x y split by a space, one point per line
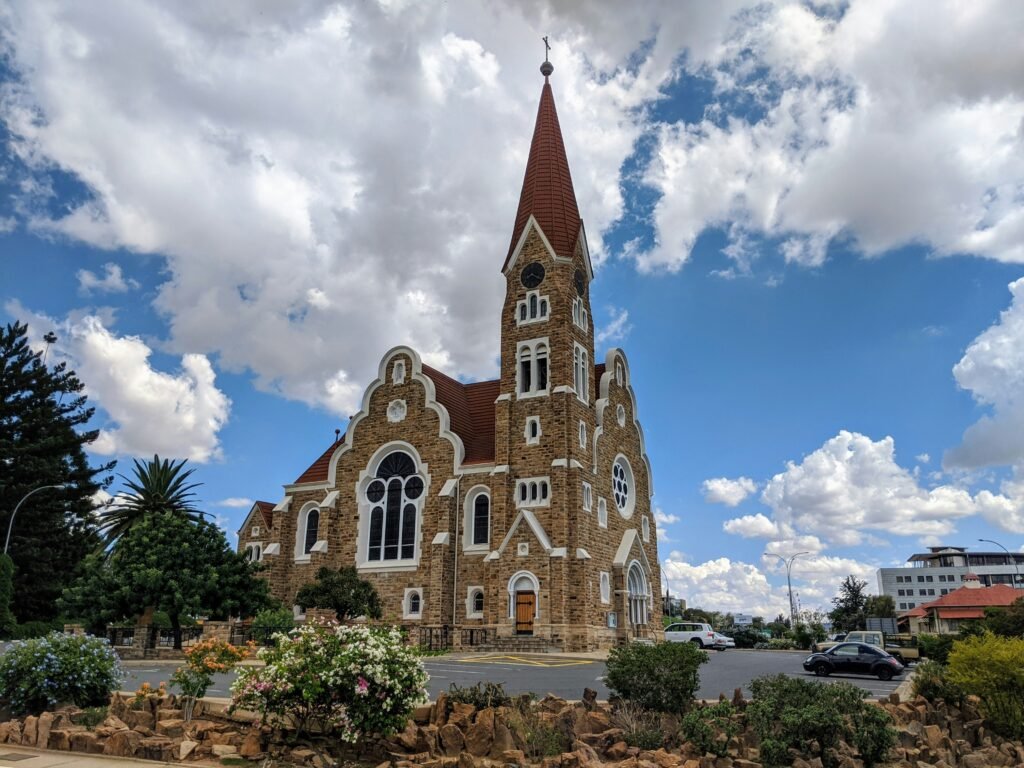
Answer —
158 487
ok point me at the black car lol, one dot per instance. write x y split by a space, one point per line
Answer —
854 659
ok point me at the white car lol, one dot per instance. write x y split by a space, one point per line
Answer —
726 642
691 632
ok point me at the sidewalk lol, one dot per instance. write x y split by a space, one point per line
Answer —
26 757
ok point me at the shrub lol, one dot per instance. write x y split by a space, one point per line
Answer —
936 647
709 729
39 674
992 668
781 644
33 629
789 713
930 681
661 677
347 680
481 695
274 619
541 738
641 728
202 662
7 620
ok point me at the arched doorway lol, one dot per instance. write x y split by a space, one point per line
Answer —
637 597
523 591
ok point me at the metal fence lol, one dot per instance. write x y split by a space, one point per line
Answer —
260 635
121 637
159 637
435 638
475 636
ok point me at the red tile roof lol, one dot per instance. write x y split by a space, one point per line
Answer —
547 186
317 472
961 613
267 510
975 597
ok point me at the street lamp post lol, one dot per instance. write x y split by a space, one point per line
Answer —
1016 568
10 524
789 582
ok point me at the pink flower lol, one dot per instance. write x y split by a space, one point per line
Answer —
362 687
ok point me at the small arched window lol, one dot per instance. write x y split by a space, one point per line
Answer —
312 530
414 602
478 601
481 519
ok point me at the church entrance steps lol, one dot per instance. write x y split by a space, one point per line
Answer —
518 645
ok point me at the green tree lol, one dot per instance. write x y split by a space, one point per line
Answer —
158 486
1007 622
169 563
848 606
342 591
7 621
880 607
43 434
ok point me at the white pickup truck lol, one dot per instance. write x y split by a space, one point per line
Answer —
903 647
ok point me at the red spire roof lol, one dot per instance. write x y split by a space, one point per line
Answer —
547 186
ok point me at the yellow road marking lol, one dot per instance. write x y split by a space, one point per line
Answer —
527 662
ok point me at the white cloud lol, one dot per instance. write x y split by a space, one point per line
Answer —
751 526
113 280
7 224
616 329
992 370
661 517
724 585
832 143
924 458
176 415
235 502
722 490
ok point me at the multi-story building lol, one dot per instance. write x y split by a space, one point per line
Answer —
941 570
516 507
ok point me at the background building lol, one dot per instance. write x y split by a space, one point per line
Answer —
941 570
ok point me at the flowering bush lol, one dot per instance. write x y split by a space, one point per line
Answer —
38 674
146 690
203 661
347 680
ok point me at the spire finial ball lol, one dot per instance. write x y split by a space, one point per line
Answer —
547 68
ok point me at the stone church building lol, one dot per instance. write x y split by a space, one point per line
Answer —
519 508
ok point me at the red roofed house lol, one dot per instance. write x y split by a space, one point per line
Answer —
968 603
518 507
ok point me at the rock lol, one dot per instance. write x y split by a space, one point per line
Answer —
514 756
85 741
423 715
932 736
440 710
156 748
461 714
666 759
30 731
409 738
60 740
252 744
737 699
589 698
301 755
171 728
503 741
122 743
740 763
452 740
617 751
221 750
115 723
200 729
480 735
597 722
169 714
186 748
43 728
466 760
137 717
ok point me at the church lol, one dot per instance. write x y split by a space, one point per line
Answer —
505 514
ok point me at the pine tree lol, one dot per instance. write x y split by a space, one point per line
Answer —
43 434
848 606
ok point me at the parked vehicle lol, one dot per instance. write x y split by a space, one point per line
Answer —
903 647
722 642
692 632
854 659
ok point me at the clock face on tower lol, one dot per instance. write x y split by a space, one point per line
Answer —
532 275
580 280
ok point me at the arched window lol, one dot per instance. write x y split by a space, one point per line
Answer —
478 602
393 496
474 602
412 605
525 370
581 373
307 531
541 356
533 367
481 519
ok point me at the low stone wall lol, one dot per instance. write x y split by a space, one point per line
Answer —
455 735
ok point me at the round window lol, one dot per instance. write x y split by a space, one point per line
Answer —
622 486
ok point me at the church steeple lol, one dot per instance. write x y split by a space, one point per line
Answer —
547 186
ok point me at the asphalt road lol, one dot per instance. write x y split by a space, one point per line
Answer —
562 676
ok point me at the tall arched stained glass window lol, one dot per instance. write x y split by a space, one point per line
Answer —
393 497
481 519
312 530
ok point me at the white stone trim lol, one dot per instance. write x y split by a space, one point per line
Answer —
512 595
533 345
629 538
366 476
503 396
558 552
301 521
442 537
532 439
534 525
319 546
531 223
582 554
562 388
559 462
500 469
448 489
543 303
605 582
543 496
602 512
625 512
406 612
573 464
470 593
617 356
283 504
274 548
468 515
330 500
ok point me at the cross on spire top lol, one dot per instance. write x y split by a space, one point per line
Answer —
546 68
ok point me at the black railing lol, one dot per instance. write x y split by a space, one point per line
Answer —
121 637
185 637
474 636
435 638
260 635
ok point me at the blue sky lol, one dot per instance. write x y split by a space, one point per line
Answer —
808 223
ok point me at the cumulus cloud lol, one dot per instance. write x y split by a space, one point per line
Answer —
616 329
661 517
810 136
992 370
751 526
112 281
723 585
722 490
235 502
176 415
